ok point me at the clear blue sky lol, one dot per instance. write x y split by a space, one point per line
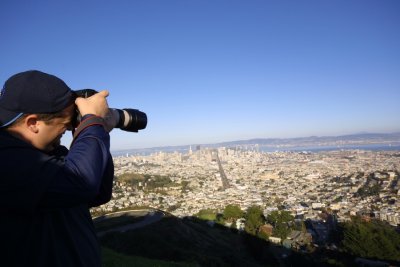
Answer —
217 70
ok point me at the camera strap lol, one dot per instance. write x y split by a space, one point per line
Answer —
87 120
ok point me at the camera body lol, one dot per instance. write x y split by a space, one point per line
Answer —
130 120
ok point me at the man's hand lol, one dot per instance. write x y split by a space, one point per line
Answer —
111 120
96 104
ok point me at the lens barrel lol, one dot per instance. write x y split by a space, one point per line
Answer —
131 120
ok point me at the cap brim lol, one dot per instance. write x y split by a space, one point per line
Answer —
7 117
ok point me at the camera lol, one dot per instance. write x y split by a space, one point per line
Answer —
128 119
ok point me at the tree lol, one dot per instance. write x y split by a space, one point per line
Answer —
254 219
373 239
281 221
232 212
263 235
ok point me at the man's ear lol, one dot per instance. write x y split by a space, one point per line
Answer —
31 122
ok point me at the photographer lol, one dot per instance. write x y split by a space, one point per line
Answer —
45 190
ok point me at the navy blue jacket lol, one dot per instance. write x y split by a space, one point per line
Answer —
45 200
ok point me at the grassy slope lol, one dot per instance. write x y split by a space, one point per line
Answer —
177 240
114 259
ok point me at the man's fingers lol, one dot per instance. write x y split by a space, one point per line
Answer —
104 93
96 104
77 100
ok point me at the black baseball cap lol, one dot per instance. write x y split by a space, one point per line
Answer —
33 92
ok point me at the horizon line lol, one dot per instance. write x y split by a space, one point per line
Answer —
259 138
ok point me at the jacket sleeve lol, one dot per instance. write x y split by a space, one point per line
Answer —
86 172
105 190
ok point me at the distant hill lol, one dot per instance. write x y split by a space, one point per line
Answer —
311 141
364 138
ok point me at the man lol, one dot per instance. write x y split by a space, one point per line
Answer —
45 190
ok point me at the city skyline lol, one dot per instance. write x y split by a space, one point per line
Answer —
216 71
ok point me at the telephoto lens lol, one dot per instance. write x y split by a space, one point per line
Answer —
128 119
131 120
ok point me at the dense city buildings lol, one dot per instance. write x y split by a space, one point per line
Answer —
343 182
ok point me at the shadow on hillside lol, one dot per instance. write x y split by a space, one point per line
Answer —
196 242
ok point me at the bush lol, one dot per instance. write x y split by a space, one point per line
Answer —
207 215
373 239
232 212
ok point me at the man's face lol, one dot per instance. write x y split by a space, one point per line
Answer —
51 131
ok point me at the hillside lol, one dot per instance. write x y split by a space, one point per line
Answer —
190 242
172 241
115 259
